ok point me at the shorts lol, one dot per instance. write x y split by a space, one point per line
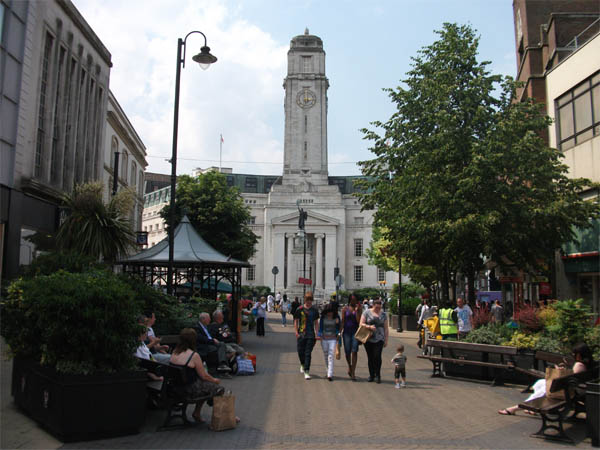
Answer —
400 372
350 343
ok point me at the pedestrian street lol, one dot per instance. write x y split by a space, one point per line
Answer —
279 409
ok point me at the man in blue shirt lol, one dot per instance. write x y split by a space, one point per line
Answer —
206 344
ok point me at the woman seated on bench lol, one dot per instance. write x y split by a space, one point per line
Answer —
200 383
583 361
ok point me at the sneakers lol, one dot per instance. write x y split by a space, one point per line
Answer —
403 384
301 369
397 386
223 368
306 376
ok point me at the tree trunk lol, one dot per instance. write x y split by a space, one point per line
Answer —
471 284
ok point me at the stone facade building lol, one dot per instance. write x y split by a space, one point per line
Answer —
338 232
54 104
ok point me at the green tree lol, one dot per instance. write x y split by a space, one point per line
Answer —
460 174
94 228
218 213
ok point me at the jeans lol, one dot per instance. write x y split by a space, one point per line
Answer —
283 318
328 346
305 347
374 350
260 326
350 343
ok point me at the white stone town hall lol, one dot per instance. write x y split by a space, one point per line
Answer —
338 233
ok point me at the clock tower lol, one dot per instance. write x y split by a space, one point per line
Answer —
305 144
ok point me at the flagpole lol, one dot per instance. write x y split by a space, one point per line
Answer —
220 152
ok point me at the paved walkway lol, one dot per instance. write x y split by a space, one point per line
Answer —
279 409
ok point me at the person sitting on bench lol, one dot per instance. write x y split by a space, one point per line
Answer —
219 329
206 343
583 360
200 383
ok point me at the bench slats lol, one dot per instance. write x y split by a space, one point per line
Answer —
485 348
467 361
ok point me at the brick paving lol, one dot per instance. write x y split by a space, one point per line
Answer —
279 409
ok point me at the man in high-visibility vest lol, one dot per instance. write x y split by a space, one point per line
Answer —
448 319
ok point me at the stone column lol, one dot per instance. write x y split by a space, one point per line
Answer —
291 273
330 256
278 260
319 261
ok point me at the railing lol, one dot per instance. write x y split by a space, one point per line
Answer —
576 42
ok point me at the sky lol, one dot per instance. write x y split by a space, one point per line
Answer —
368 45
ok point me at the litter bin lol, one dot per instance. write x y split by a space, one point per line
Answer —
592 411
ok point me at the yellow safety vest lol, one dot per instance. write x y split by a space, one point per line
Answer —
447 325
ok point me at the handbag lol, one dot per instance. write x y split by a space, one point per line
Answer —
223 413
553 373
254 312
363 334
338 352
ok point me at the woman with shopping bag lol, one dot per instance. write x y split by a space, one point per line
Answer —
583 360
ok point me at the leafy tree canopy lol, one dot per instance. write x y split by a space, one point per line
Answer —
461 172
218 213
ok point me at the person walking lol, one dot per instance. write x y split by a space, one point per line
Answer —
329 330
497 312
465 318
270 302
426 313
261 315
376 320
294 306
351 314
399 361
284 309
305 325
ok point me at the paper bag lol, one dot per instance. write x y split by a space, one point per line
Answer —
338 352
223 413
363 334
551 374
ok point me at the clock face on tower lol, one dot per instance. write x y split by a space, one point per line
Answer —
306 98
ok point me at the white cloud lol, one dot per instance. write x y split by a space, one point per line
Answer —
234 97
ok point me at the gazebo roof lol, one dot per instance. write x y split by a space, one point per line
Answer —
189 248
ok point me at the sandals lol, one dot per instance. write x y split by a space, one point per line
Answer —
505 412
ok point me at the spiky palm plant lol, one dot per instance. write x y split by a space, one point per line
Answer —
94 228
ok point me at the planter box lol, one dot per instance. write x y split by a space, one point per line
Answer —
592 411
393 321
409 323
81 407
465 371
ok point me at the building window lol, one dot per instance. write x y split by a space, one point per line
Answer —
358 247
380 274
306 124
54 156
306 64
141 182
268 183
41 130
251 183
305 150
252 220
124 161
133 173
358 273
359 220
251 273
578 113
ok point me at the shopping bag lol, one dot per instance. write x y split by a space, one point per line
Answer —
223 413
338 350
363 334
245 366
551 374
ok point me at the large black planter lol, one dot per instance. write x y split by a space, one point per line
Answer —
80 407
592 411
465 370
409 323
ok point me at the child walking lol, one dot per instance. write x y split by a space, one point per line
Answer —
399 361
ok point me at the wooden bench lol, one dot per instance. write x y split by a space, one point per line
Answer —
546 358
506 354
170 393
555 411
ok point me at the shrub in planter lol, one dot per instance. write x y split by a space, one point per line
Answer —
49 263
592 339
73 336
548 343
573 321
481 316
523 341
528 319
78 323
409 305
486 334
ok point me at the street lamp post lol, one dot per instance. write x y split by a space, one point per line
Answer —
204 59
399 329
302 216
